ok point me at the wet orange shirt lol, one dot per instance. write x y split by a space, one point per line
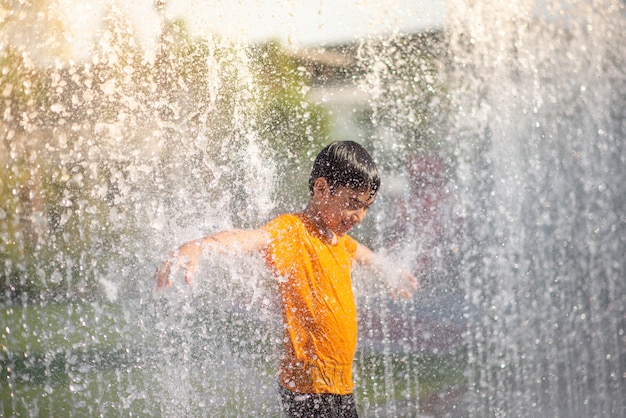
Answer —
318 307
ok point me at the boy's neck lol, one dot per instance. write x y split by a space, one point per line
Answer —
315 217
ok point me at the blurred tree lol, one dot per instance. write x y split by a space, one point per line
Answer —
21 213
59 201
88 144
410 102
37 29
295 127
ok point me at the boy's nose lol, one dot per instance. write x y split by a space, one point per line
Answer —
358 215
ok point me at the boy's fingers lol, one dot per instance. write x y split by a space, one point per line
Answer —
405 293
411 282
188 265
189 269
165 272
174 263
163 275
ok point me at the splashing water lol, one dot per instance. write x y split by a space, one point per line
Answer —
501 143
539 133
108 165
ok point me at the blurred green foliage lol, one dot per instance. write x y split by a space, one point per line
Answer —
297 127
410 98
77 137
88 147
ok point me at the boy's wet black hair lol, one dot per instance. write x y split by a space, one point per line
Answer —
346 164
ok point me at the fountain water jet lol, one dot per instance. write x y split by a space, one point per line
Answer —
539 131
510 123
109 164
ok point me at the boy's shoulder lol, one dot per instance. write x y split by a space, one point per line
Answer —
287 218
290 217
286 231
285 222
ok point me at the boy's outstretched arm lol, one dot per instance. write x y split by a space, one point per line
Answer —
404 283
187 255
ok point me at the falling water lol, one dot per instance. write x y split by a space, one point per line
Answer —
112 161
109 164
500 139
539 119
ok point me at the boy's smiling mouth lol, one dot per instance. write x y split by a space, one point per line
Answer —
345 227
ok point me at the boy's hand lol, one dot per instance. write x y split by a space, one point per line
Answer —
407 285
186 257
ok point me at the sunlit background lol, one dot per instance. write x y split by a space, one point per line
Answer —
294 24
128 128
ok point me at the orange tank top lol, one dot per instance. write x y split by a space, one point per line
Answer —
318 307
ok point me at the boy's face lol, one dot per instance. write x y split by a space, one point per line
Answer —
344 208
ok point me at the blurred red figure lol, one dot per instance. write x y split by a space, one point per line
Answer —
428 215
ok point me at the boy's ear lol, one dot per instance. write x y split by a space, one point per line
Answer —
321 188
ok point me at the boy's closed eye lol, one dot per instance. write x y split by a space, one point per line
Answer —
355 204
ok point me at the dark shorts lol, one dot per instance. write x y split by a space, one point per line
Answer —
322 405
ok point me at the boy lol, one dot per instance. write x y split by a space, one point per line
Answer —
313 256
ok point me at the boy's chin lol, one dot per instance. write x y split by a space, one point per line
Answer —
341 231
